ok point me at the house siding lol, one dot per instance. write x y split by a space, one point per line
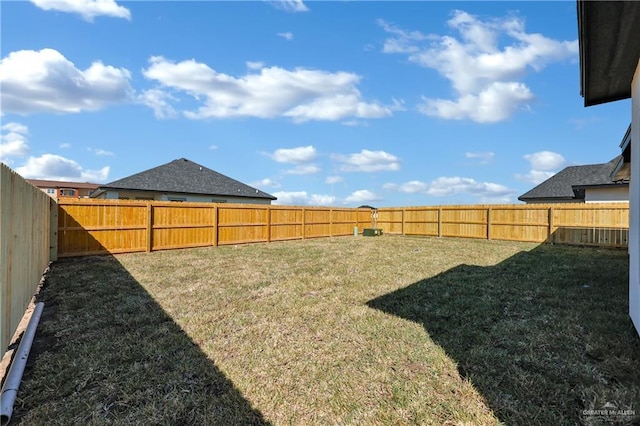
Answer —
634 204
606 194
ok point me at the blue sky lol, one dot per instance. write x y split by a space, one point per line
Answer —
322 103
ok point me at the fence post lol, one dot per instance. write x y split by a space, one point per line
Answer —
551 237
330 222
53 230
357 215
215 225
149 226
489 223
402 229
268 224
304 225
439 222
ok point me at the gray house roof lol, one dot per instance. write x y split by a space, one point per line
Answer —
185 176
569 184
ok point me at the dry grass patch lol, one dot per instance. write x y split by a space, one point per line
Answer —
383 330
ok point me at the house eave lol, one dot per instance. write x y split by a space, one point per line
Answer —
608 59
601 185
626 139
548 199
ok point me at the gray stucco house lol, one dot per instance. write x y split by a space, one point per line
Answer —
182 180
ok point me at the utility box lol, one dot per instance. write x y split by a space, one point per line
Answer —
371 232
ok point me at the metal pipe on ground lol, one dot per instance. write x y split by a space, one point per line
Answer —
14 376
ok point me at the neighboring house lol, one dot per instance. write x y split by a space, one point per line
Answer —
182 180
60 189
593 183
610 71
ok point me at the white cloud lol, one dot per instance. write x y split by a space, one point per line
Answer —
13 141
286 36
65 145
321 200
255 65
447 186
486 192
88 9
55 167
336 107
390 186
402 41
368 161
303 198
413 187
535 176
497 102
361 196
290 5
304 169
544 164
545 160
213 147
159 102
16 128
330 180
300 94
266 183
102 152
46 81
482 157
301 154
291 198
484 74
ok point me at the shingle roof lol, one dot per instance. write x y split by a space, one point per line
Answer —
185 176
561 185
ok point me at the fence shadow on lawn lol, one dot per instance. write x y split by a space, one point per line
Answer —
543 335
106 352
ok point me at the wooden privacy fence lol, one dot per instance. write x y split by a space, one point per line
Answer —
25 235
598 224
116 226
119 226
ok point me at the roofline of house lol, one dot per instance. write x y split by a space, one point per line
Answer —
553 199
626 139
103 188
44 183
600 185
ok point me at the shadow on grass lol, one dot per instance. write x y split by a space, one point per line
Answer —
106 352
544 336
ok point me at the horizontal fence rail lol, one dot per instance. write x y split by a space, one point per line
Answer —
88 227
597 224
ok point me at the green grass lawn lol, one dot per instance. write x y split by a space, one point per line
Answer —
386 330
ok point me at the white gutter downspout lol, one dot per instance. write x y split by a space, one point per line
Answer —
12 382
